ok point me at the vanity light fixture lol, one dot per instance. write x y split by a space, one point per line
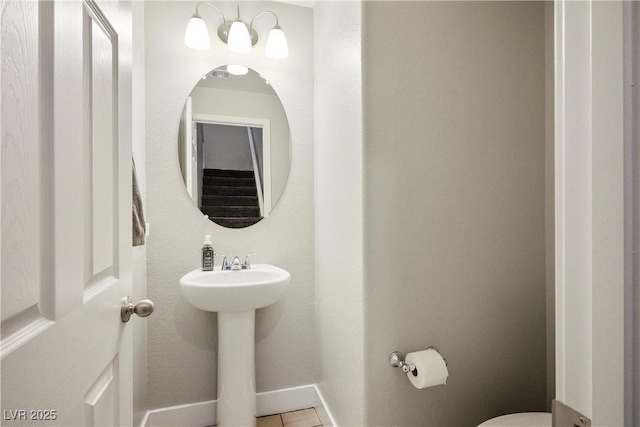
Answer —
238 36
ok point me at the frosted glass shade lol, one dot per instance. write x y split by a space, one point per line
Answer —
239 40
237 70
197 36
277 44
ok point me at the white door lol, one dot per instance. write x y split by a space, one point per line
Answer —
590 210
66 212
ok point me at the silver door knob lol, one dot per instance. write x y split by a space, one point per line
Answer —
143 308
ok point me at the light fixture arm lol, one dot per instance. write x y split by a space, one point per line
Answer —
260 14
206 3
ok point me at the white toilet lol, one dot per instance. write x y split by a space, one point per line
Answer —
525 419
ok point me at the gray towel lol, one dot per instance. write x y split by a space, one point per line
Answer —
139 226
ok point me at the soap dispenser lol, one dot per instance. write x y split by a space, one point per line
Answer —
207 254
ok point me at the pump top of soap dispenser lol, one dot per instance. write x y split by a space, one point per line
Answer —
207 240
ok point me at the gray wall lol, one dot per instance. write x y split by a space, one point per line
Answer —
550 204
226 147
455 207
182 339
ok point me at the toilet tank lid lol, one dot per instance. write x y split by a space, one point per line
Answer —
525 419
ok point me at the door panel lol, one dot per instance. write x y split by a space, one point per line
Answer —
100 407
24 265
101 68
66 213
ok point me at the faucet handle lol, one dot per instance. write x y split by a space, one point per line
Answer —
245 263
225 263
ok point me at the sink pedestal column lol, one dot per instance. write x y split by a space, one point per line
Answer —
236 369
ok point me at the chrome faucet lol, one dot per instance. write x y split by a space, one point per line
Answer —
235 264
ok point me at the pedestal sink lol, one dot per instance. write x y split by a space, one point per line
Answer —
235 295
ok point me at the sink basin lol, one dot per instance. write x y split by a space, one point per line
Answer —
235 291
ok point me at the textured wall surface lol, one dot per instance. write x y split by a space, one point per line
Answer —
182 339
455 207
339 216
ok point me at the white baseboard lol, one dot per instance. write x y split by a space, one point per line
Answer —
326 418
190 415
285 400
202 414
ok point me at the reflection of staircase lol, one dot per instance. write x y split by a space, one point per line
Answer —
229 197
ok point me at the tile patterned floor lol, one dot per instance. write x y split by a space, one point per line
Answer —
303 418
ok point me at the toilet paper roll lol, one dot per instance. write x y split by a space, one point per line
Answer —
430 366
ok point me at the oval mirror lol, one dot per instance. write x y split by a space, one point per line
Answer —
234 146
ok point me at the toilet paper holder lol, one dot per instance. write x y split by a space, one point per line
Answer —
396 359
